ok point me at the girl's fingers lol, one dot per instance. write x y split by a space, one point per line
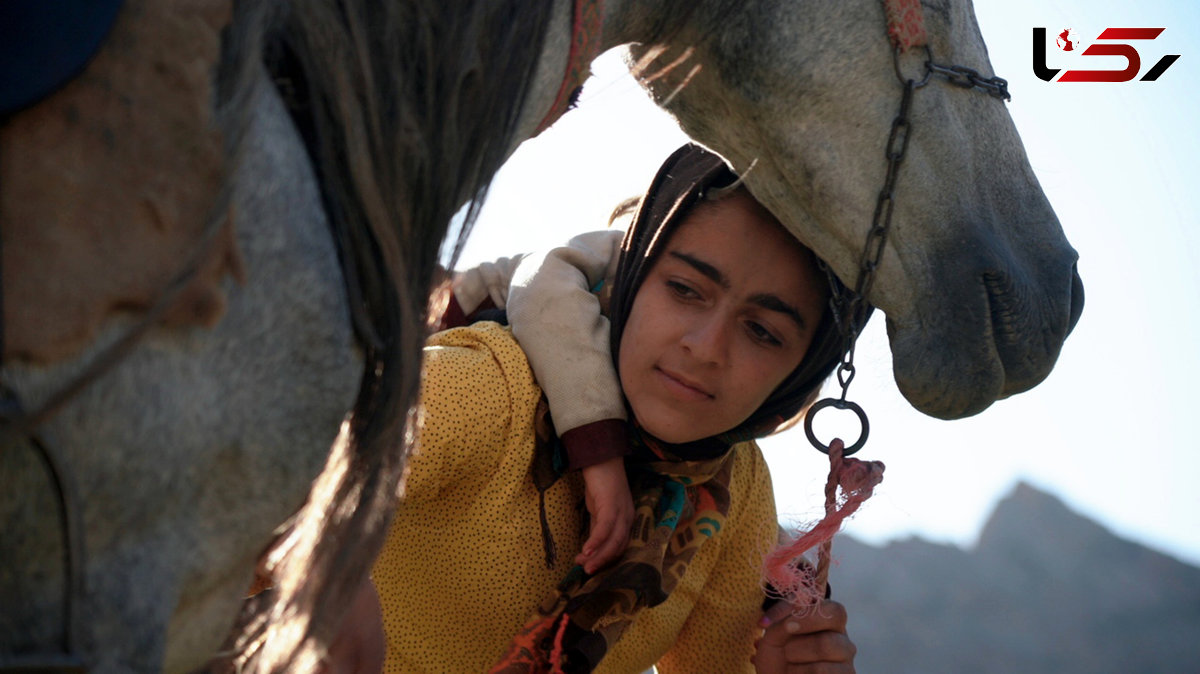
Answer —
611 548
777 611
821 668
819 647
814 641
606 541
828 615
601 530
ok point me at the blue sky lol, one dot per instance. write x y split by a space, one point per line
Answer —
1113 430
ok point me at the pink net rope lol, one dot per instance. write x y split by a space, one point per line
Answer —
788 576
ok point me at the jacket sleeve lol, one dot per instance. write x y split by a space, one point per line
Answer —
720 633
558 320
466 412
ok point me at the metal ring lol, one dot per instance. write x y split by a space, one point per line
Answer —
841 405
904 80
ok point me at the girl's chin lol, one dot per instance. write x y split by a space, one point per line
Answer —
675 434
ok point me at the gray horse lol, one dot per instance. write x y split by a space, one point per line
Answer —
347 134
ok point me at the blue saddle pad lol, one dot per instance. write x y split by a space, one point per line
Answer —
44 43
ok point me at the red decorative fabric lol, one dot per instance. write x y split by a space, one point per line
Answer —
905 23
587 26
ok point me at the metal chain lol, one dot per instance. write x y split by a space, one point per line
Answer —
854 311
968 78
850 307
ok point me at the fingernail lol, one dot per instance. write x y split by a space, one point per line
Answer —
764 622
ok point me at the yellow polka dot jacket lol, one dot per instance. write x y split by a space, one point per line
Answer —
463 565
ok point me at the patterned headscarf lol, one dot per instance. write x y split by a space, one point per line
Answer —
681 492
689 176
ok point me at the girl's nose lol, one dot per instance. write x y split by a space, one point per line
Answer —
707 340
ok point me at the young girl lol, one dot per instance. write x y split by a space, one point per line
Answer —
720 333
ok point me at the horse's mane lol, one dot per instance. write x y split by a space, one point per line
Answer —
407 109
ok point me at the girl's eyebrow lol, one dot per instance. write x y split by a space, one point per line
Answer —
765 300
711 272
774 303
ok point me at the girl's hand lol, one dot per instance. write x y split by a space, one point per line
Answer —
611 508
814 643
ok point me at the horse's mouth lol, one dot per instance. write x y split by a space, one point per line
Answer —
1006 344
1027 334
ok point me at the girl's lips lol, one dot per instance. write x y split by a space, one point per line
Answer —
681 387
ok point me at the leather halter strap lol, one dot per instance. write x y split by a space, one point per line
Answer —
587 23
905 23
67 659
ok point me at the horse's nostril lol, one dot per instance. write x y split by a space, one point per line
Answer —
1076 298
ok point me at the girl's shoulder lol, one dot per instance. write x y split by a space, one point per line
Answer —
750 466
481 347
481 362
481 335
750 488
477 410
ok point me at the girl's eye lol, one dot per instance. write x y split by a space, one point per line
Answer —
682 290
761 334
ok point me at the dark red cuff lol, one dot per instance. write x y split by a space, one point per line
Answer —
454 317
595 443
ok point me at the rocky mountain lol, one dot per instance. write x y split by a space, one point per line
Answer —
1044 590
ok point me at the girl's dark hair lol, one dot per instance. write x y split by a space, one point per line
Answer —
689 177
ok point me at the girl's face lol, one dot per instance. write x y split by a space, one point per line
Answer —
726 313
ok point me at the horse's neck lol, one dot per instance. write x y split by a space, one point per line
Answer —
628 21
649 21
548 76
623 22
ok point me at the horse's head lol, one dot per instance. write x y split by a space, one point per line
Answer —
977 280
